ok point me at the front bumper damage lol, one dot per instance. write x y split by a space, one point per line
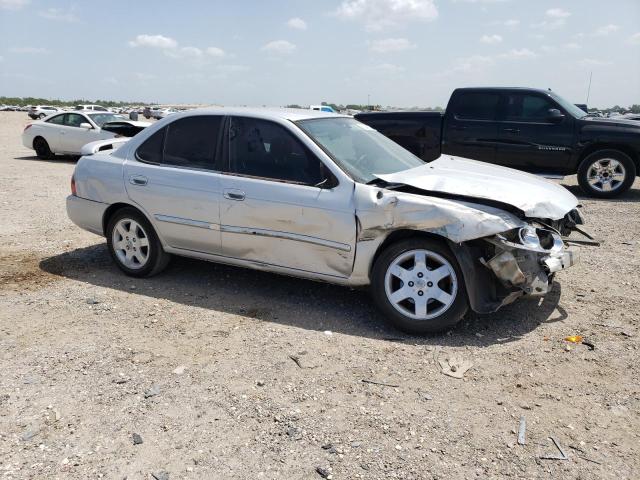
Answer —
498 271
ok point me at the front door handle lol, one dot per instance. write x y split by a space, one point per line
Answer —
233 194
138 180
458 127
511 130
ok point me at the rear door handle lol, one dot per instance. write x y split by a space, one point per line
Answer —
138 180
511 130
233 194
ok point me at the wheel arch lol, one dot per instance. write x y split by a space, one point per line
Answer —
403 234
595 147
116 207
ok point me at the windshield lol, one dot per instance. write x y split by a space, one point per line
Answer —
359 149
574 111
102 118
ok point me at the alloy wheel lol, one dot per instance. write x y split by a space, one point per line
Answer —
606 175
421 284
130 243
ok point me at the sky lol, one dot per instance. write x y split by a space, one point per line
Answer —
278 52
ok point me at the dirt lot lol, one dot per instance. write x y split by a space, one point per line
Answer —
230 373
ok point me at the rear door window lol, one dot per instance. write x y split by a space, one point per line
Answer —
57 120
476 106
192 142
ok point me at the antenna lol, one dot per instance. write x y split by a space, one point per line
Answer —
589 89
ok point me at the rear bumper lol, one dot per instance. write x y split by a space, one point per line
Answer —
86 214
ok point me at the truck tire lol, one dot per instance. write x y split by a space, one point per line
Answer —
606 173
418 286
134 245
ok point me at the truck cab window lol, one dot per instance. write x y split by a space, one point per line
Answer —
476 106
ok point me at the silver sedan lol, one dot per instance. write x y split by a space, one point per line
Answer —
324 197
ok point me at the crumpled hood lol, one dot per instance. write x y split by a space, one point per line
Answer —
533 195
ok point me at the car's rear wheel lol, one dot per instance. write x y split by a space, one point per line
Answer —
134 245
418 286
41 116
42 149
606 173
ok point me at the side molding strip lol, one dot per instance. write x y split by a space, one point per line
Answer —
187 221
287 236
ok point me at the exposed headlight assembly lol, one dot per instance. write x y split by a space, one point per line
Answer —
540 239
531 238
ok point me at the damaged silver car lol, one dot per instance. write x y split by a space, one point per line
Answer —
325 197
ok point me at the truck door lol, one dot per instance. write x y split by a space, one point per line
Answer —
534 134
469 128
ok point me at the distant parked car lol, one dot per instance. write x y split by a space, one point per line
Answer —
66 133
164 112
324 197
42 111
95 108
322 108
150 112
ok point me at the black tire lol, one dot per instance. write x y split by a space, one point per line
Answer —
41 116
585 170
443 321
42 149
157 258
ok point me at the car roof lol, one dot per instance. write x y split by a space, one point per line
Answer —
292 114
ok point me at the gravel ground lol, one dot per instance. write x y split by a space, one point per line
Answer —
209 371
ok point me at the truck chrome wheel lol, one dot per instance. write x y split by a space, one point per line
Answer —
130 244
421 284
606 175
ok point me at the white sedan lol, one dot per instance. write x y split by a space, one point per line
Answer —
67 133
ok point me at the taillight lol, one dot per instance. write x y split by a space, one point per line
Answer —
27 127
73 186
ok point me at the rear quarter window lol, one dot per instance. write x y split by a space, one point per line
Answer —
151 149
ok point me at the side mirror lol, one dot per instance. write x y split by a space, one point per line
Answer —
554 115
86 125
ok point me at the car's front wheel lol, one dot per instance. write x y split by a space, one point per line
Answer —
418 286
606 173
134 245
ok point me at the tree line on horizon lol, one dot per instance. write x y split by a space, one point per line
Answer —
23 101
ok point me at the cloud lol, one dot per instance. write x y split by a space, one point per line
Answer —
557 13
13 4
391 45
279 47
154 41
379 15
184 52
28 50
297 23
215 52
606 30
58 15
557 17
634 39
571 46
512 22
491 39
518 53
472 64
386 68
593 62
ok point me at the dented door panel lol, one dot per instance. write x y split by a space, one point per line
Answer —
289 225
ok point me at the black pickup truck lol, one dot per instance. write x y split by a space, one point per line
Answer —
528 129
